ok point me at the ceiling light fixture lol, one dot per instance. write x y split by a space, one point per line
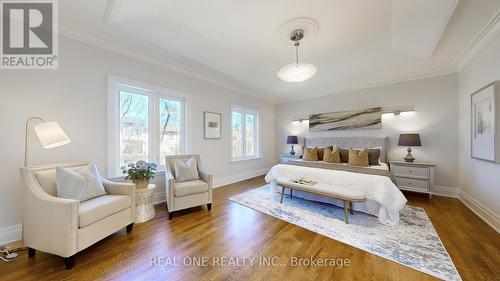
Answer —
297 72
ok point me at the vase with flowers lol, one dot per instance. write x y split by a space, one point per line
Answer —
140 173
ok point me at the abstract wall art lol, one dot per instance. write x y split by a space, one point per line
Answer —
485 126
369 118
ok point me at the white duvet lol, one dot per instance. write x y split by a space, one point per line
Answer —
384 199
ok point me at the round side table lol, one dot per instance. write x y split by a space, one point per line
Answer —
144 209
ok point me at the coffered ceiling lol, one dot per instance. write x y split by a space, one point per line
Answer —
238 44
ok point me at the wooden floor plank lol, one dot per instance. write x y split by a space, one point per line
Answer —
232 230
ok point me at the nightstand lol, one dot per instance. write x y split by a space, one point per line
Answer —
416 176
287 157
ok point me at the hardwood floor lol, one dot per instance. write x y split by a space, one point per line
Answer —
232 230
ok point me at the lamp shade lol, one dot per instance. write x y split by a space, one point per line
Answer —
297 72
292 140
51 135
409 140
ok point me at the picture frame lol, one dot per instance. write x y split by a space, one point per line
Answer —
212 125
485 123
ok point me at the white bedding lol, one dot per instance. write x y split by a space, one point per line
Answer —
385 200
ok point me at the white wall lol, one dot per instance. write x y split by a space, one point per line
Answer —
479 180
75 96
435 118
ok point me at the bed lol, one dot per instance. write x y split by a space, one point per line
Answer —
385 200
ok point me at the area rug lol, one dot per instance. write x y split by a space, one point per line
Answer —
413 243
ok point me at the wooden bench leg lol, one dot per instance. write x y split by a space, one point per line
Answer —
350 208
345 213
282 193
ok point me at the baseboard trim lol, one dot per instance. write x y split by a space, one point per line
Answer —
11 233
481 211
240 177
446 191
477 208
159 197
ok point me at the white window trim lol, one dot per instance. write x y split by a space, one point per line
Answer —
115 83
244 111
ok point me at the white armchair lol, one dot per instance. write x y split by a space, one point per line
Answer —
183 195
65 227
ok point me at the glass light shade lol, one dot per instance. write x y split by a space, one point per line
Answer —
297 72
51 135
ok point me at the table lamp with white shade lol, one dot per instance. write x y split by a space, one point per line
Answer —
50 135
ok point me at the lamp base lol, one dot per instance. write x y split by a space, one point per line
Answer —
409 158
292 152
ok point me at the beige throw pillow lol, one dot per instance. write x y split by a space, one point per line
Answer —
358 157
186 169
332 156
310 154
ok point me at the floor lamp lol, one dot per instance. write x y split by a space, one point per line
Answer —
50 135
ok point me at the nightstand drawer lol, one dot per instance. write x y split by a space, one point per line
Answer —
406 171
412 184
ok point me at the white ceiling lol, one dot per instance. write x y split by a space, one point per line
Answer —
359 43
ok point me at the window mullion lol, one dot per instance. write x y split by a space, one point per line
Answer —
153 113
183 132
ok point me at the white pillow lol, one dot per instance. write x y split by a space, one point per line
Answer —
79 186
186 170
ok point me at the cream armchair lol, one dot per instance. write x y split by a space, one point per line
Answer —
187 194
65 227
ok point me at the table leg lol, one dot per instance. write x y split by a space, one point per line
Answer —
291 193
345 213
282 193
350 208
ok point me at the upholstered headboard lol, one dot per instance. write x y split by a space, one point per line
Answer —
353 142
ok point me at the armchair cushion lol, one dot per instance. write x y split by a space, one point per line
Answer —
80 186
46 178
186 169
190 187
101 207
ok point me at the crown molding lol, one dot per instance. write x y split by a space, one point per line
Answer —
485 35
109 10
184 69
94 40
192 69
444 24
448 70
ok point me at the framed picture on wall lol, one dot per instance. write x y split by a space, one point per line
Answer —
485 126
213 124
369 118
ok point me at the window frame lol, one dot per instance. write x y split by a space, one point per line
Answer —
183 135
154 93
256 131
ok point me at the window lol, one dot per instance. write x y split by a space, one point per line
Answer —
245 136
148 121
134 124
170 127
